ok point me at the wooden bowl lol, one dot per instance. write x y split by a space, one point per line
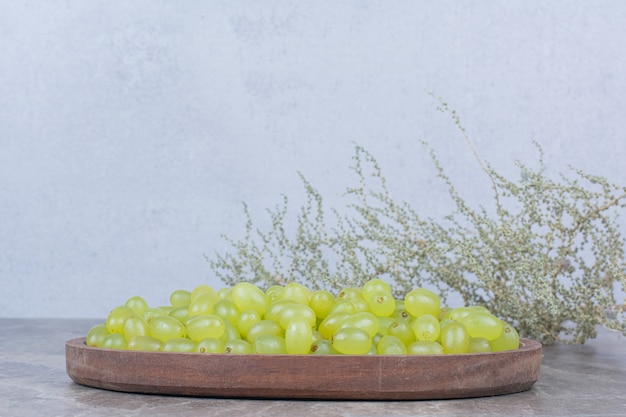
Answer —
354 377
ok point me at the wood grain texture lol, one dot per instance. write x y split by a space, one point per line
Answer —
405 377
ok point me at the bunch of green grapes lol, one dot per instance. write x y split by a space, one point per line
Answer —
292 319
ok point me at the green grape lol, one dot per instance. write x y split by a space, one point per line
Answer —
479 345
180 313
227 310
293 311
375 286
321 302
135 326
296 292
117 317
479 324
202 304
179 344
330 324
422 301
96 335
114 341
201 327
264 327
351 341
203 289
454 338
382 304
363 320
298 336
383 324
402 330
481 309
457 314
315 335
402 315
210 345
350 293
247 296
372 350
240 347
323 347
342 306
137 304
508 339
180 298
273 293
146 343
223 293
230 332
391 345
152 312
360 305
424 347
275 308
269 344
166 327
426 327
166 309
246 320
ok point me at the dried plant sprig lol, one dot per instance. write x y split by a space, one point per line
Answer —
549 261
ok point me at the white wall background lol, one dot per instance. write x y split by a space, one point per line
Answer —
131 132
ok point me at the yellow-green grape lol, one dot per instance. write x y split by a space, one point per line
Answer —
454 338
372 350
269 344
424 347
479 324
401 314
96 335
247 296
296 292
264 327
180 298
179 344
323 347
230 332
146 343
114 341
238 347
202 304
180 313
275 308
152 312
166 309
135 326
402 330
382 304
390 345
363 320
342 306
330 324
201 327
210 345
293 311
375 286
426 327
166 327
315 336
321 301
273 293
443 313
223 293
508 339
246 320
422 301
479 345
227 310
458 313
137 304
351 341
350 293
360 305
203 289
384 323
298 336
116 318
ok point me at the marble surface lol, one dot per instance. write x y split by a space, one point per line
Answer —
587 380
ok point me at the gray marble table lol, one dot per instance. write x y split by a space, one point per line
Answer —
587 380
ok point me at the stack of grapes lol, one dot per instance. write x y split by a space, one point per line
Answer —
292 319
